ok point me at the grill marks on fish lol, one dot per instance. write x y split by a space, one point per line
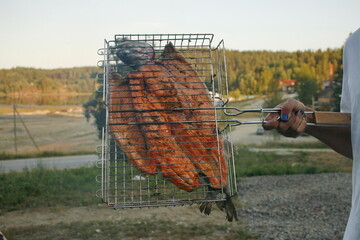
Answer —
129 137
176 143
195 95
163 146
166 123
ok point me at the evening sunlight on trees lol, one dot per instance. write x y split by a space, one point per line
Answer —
256 72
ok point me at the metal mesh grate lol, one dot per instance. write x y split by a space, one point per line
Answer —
164 141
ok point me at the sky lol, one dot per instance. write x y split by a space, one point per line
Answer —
67 33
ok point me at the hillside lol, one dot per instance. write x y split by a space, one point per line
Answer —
249 73
24 81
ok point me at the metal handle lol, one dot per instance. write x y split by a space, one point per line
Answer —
331 119
257 110
319 118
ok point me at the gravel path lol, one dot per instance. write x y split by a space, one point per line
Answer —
296 206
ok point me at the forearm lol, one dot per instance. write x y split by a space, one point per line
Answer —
291 122
338 138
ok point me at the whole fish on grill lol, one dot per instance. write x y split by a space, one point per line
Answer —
195 95
176 130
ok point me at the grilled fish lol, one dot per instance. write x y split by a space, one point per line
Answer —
175 132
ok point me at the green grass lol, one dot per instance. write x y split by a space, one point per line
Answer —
76 187
149 228
279 144
250 163
41 188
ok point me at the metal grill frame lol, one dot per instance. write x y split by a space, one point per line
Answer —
122 185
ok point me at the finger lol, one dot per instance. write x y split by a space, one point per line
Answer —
290 107
286 110
300 129
296 131
271 117
270 121
270 126
294 127
286 125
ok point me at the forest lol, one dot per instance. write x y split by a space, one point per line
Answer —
253 72
62 80
249 73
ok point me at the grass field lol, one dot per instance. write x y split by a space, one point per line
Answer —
54 192
61 204
58 133
77 187
250 163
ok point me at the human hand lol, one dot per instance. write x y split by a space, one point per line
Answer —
290 122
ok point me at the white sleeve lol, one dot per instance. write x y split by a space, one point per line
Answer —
345 102
345 105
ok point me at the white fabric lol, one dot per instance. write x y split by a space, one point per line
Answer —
350 102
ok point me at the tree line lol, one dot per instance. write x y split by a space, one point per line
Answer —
253 72
259 72
249 73
62 80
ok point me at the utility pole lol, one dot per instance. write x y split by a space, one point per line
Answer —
15 136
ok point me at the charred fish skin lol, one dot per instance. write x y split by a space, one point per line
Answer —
135 53
164 149
194 94
130 138
213 176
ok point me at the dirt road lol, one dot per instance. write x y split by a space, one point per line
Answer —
50 163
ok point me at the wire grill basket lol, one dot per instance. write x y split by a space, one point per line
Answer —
153 123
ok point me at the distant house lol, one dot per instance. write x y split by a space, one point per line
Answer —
324 101
326 95
287 85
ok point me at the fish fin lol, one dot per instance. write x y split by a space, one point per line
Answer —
228 207
206 208
171 53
